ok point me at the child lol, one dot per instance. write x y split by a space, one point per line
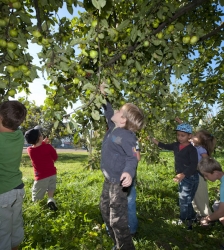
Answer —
212 171
43 157
118 164
132 216
205 143
186 160
12 114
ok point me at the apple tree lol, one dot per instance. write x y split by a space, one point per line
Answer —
165 56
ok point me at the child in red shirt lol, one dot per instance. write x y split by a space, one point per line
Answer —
42 156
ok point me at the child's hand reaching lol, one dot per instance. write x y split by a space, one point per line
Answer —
179 177
102 87
126 179
152 139
177 119
46 140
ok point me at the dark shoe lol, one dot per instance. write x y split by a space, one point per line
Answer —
134 235
52 206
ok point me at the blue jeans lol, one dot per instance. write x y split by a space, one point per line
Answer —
187 189
132 217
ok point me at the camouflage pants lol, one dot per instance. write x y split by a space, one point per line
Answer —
114 210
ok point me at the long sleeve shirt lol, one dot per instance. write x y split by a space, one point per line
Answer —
43 158
186 159
118 152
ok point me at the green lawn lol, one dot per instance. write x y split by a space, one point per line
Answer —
78 223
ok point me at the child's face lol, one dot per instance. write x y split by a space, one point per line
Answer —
183 137
118 118
211 177
195 140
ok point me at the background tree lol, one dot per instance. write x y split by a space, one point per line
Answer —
166 56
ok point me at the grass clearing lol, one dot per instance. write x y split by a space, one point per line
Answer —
78 223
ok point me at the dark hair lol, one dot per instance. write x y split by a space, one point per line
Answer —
32 136
209 165
12 113
134 117
206 140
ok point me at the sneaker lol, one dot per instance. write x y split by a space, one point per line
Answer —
177 222
52 204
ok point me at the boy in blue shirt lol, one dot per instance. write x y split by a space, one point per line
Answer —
118 164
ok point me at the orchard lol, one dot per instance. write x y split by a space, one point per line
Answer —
164 55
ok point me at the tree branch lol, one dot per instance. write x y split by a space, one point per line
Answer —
212 33
191 6
36 6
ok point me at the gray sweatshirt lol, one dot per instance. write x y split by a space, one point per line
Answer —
118 152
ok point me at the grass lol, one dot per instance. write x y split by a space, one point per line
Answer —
78 225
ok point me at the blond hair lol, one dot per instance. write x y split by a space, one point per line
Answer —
134 117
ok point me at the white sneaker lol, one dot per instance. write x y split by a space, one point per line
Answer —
52 204
177 222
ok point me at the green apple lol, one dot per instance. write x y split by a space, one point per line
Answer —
10 69
3 43
13 33
155 23
45 41
80 71
193 40
11 92
2 23
160 35
186 39
106 51
94 23
36 33
27 73
133 70
123 57
23 68
170 28
93 54
16 5
76 80
11 45
84 52
146 43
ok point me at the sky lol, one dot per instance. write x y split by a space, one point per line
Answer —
38 93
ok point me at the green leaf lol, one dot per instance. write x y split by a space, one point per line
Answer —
102 3
123 25
221 2
96 4
70 9
95 115
138 66
116 83
156 42
68 128
56 124
89 86
179 26
2 85
134 33
64 66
